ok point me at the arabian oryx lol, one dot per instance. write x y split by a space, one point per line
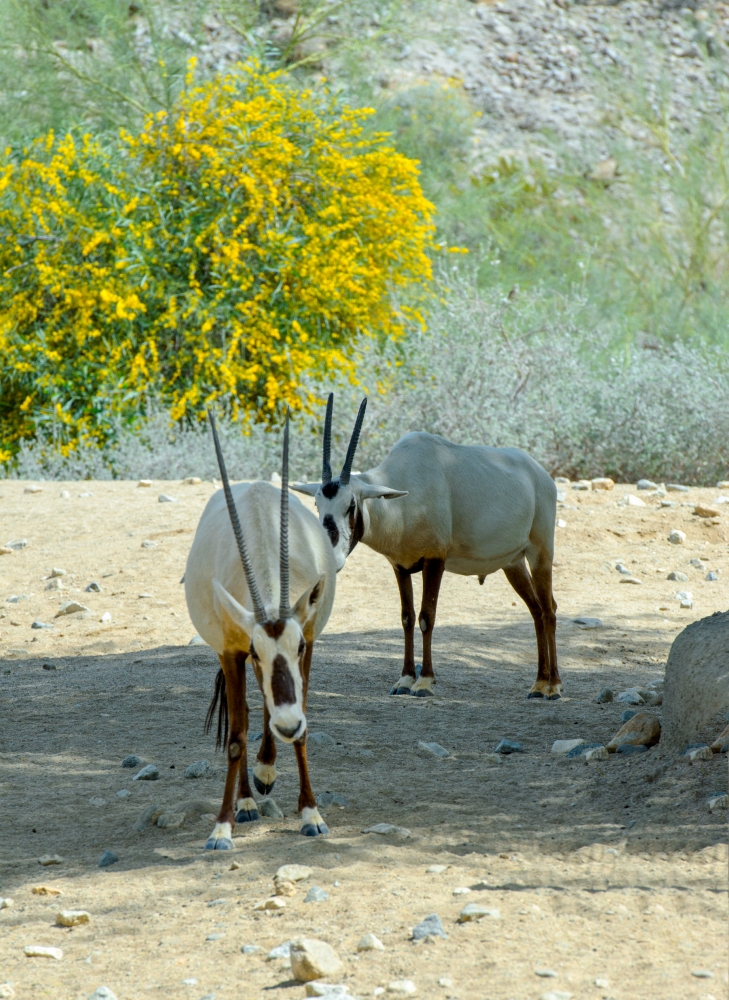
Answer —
242 610
432 506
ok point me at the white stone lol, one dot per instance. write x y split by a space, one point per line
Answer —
166 498
272 903
65 495
148 773
294 873
545 973
446 982
685 598
699 753
5 902
50 859
461 890
102 993
33 489
677 537
564 746
70 608
384 828
54 584
405 986
602 983
72 918
434 748
146 483
313 959
476 912
597 753
719 802
42 951
123 793
630 500
332 990
105 618
437 869
556 995
561 523
370 942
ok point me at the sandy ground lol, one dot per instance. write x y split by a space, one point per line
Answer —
613 870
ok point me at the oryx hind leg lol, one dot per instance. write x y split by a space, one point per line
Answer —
542 577
407 614
521 580
232 663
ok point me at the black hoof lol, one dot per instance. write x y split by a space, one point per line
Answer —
423 693
222 844
399 690
261 788
535 694
313 830
246 816
554 697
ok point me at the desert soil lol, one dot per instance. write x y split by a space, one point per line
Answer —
612 870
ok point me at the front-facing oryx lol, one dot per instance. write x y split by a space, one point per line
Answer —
432 506
237 585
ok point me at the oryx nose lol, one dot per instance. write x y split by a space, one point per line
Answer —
288 732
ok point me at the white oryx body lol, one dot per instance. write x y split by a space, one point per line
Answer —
253 544
435 506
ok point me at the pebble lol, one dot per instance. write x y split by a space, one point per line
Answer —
170 820
603 483
192 481
700 752
677 537
16 598
251 949
629 500
545 973
102 993
18 544
712 576
33 489
215 937
434 748
148 773
93 588
5 902
65 495
41 951
702 973
334 991
676 488
322 739
704 510
107 858
605 697
430 927
446 982
581 749
437 869
474 911
406 986
197 640
50 859
508 746
646 484
131 760
190 982
316 895
384 828
595 753
630 697
272 903
70 608
38 624
325 799
370 942
72 918
685 598
280 951
602 983
642 730
313 959
123 793
267 807
45 890
105 618
561 523
678 576
564 746
461 890
723 484
166 498
55 584
143 595
218 902
720 801
556 995
144 483
623 569
149 544
294 873
583 485
588 622
95 800
631 579
200 769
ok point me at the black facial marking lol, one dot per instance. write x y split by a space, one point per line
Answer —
282 683
330 489
356 525
330 526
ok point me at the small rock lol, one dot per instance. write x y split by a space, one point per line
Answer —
603 483
563 747
561 523
723 484
45 890
702 973
446 982
123 793
5 902
93 588
474 911
545 973
170 820
215 937
294 873
370 942
595 753
149 544
642 730
711 576
630 697
677 537
602 983
685 598
50 859
678 576
430 927
283 888
335 991
313 959
406 986
316 895
148 773
251 949
461 890
16 598
325 799
280 951
55 584
105 618
95 800
131 760
33 489
64 495
6 990
508 746
629 500
102 993
704 510
197 641
322 739
627 714
106 859
556 995
721 743
646 484
623 569
150 814
38 624
200 769
41 951
384 828
605 697
218 902
583 485
56 572
267 807
580 749
437 869
631 579
143 595
588 622
698 752
72 918
18 544
272 903
192 481
720 801
70 608
144 483
166 498
676 488
434 748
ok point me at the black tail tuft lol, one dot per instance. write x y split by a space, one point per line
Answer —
220 699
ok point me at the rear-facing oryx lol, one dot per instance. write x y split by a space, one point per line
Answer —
280 548
432 506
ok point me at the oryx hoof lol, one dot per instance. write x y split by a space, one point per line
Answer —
422 693
219 844
554 697
312 824
247 812
399 690
262 788
404 685
535 694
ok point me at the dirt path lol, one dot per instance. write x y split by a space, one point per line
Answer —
597 872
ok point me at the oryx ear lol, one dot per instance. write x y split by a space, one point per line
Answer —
239 615
369 492
310 489
305 607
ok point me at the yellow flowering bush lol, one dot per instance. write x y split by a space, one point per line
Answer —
232 248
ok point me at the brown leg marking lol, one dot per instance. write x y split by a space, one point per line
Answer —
264 773
432 576
521 580
233 666
542 576
407 616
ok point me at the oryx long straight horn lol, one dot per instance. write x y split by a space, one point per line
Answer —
326 465
284 610
353 442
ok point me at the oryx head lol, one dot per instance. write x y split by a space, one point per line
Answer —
340 501
277 644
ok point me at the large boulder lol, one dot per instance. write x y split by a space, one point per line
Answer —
697 680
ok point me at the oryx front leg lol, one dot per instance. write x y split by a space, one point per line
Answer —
432 576
311 822
264 770
233 665
407 615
